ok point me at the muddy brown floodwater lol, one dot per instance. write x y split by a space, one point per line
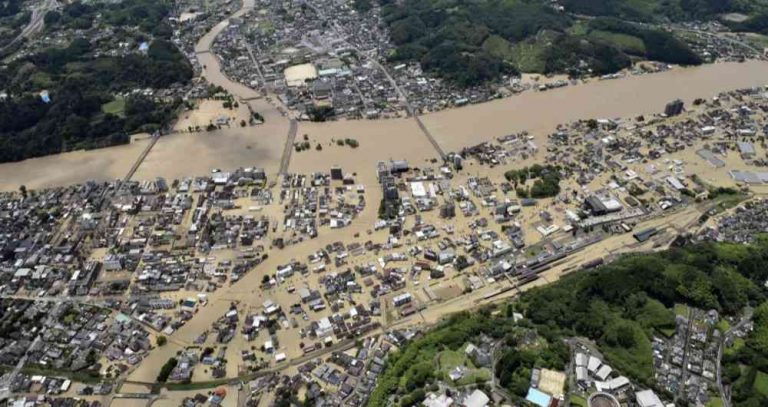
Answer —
634 95
262 146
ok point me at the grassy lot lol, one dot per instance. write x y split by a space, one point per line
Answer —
757 40
448 359
624 42
728 201
761 383
579 28
667 332
115 107
529 56
723 325
715 402
738 343
80 376
681 310
475 376
578 401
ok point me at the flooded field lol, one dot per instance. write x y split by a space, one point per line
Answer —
190 154
208 112
70 168
379 140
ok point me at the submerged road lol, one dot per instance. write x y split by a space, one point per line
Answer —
411 111
285 161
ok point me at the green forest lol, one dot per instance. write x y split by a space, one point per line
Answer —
678 10
664 10
471 42
619 306
84 111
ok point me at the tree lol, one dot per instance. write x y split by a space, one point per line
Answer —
161 340
23 191
166 370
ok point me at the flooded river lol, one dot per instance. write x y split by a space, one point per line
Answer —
628 97
537 112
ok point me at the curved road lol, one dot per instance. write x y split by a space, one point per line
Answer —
36 22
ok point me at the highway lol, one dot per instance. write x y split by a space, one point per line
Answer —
36 22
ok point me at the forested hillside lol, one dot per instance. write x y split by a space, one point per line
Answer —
470 42
756 11
12 19
619 306
81 81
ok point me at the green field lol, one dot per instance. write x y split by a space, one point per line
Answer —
528 55
115 107
738 343
667 332
723 325
447 360
761 383
681 310
578 401
715 402
627 43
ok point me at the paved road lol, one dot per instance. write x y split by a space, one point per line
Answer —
36 22
725 395
686 354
